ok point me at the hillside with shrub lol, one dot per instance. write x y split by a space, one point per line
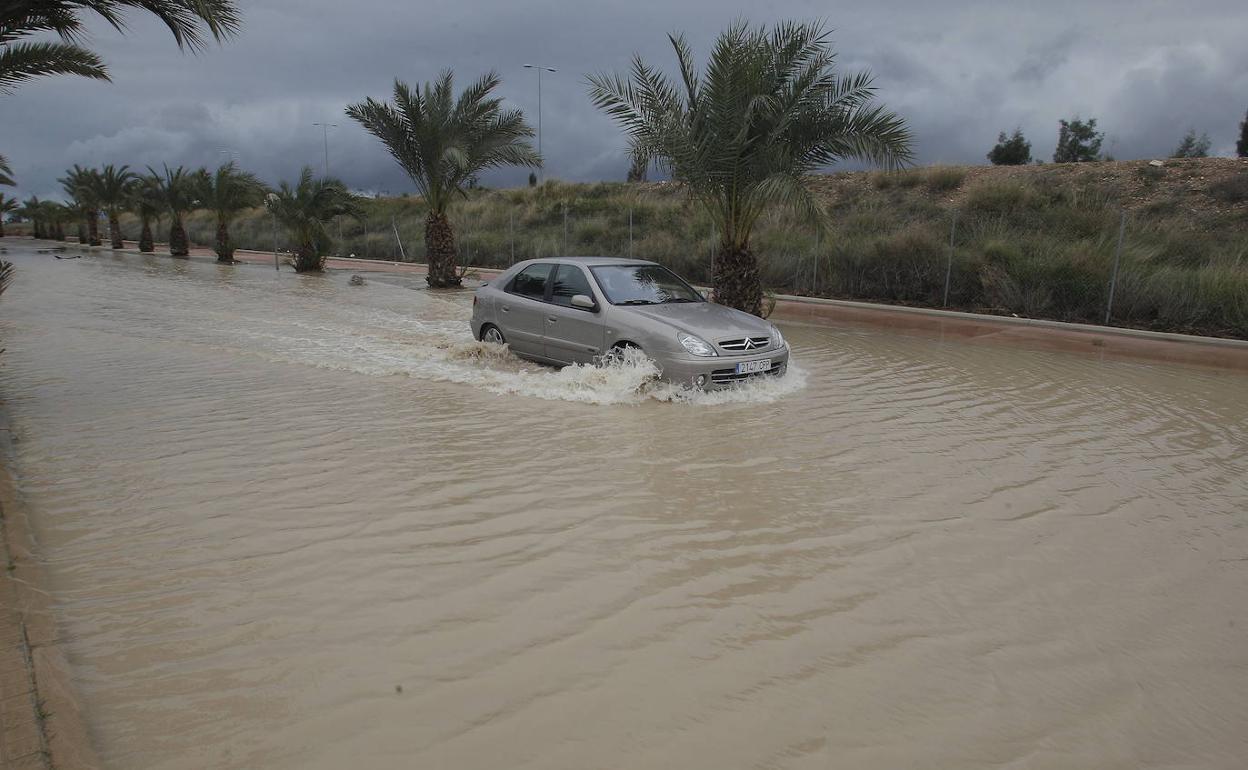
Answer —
1034 241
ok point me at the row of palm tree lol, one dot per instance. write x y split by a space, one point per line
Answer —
742 136
303 208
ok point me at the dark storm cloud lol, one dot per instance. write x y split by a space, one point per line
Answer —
959 71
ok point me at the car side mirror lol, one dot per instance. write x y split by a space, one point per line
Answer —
583 302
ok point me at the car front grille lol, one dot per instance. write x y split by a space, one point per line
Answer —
745 343
727 376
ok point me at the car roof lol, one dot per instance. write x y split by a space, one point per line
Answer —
590 261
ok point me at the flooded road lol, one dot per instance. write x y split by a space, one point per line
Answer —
291 523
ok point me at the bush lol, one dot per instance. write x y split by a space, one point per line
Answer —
944 178
1231 190
999 196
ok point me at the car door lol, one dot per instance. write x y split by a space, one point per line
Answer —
573 335
522 309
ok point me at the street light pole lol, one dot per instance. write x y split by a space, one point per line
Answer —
325 132
541 170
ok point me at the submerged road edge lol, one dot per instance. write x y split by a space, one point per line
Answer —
1107 342
41 721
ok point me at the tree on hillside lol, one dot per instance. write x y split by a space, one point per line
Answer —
305 209
1078 141
1012 150
147 202
82 188
1192 147
1241 145
227 193
744 134
22 59
441 142
112 191
178 189
7 207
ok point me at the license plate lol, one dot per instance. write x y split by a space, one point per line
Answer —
753 367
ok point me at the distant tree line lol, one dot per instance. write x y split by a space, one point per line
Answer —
1078 141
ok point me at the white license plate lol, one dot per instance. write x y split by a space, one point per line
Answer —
753 367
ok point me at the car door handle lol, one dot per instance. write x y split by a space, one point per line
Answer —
552 319
506 308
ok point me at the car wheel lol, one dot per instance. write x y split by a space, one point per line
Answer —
493 335
616 354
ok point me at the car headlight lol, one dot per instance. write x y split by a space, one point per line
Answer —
777 337
696 345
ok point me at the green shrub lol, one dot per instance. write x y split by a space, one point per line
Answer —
999 196
1231 190
944 178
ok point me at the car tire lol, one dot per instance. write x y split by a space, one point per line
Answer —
616 353
493 335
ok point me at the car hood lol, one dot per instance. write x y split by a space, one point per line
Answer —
705 319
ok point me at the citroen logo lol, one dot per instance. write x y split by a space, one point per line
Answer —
749 344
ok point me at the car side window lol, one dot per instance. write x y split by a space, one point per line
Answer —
570 280
531 281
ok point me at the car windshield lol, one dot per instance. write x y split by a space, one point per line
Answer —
643 285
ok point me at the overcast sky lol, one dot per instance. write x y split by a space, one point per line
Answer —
960 72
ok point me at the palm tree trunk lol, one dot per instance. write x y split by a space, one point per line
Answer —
225 249
58 231
1 225
93 228
82 232
440 248
178 246
307 260
145 237
114 230
736 279
36 229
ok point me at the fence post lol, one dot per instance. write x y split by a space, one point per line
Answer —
511 234
565 229
814 273
630 232
1113 277
367 251
953 228
397 239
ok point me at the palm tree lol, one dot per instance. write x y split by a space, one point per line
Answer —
147 201
443 143
55 214
742 137
178 189
82 186
7 206
6 173
31 210
304 209
227 193
22 59
112 190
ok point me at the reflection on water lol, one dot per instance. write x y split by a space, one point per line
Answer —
269 503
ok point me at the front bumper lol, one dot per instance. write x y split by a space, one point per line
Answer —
713 372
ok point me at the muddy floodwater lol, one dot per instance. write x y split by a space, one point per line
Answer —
292 523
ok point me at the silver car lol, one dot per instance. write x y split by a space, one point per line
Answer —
585 310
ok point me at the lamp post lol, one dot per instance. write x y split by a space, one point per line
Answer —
325 132
541 170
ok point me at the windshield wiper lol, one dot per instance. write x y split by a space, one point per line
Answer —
637 302
681 299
